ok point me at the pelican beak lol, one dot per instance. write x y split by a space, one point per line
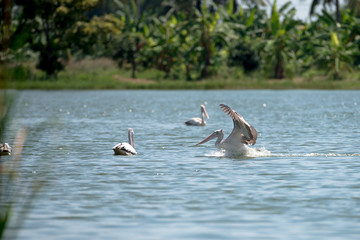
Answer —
203 110
206 114
131 137
212 136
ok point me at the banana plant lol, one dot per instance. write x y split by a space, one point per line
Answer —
129 45
336 52
246 32
204 38
351 32
280 44
164 42
335 57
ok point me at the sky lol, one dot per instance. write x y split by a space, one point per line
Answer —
302 7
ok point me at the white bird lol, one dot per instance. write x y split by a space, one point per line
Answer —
242 135
126 148
198 121
5 149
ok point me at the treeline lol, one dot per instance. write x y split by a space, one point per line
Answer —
190 39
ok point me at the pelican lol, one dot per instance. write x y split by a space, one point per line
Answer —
198 121
242 135
126 148
5 149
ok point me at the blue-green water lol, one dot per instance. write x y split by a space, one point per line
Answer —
307 187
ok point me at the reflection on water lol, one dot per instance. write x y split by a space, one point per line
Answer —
302 185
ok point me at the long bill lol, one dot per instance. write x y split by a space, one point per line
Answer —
206 114
131 137
212 136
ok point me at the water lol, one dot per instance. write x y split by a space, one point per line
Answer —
306 187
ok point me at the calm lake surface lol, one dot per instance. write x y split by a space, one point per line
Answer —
307 186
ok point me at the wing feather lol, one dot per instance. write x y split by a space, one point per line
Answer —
124 149
242 131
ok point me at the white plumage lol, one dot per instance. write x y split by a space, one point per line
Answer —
198 121
5 149
242 135
126 148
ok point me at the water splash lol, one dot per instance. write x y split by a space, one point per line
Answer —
258 152
263 152
219 153
316 155
249 153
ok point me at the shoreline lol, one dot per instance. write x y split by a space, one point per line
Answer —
102 74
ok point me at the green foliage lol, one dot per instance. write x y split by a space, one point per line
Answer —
202 48
128 46
186 39
280 45
335 46
50 23
242 54
104 74
164 43
95 37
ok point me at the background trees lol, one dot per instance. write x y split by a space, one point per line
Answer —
325 4
192 38
46 27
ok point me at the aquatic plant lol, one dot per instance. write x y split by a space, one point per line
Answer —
15 198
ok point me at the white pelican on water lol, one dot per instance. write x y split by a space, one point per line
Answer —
5 149
126 148
242 135
198 121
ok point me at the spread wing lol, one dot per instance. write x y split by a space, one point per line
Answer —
243 131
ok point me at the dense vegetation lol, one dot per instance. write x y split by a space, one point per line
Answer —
187 40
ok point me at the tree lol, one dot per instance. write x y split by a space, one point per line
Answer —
128 45
315 3
247 26
206 36
96 37
165 38
334 45
279 46
46 26
5 20
354 6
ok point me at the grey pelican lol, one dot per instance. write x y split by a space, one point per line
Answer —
198 121
242 135
126 148
5 149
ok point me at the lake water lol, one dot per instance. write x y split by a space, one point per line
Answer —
307 186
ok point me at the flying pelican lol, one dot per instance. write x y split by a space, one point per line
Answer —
198 121
5 149
126 148
242 135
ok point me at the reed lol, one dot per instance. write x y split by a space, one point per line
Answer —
15 198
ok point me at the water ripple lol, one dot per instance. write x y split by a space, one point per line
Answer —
301 183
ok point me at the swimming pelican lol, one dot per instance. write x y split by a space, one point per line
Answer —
198 121
242 135
5 149
126 148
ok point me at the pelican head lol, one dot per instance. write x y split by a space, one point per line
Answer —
203 111
219 134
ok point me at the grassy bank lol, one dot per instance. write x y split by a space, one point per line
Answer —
104 74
